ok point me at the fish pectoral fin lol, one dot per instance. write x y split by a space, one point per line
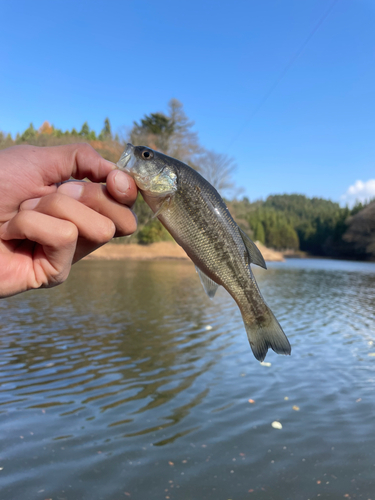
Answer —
210 287
165 204
254 253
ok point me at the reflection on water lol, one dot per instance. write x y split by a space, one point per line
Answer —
128 382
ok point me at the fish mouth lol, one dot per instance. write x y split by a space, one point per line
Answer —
123 163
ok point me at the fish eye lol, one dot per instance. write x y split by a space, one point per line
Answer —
147 155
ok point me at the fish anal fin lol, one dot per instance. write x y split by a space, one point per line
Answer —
254 253
210 287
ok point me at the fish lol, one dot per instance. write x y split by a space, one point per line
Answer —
196 216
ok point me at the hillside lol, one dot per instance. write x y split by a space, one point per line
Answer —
285 222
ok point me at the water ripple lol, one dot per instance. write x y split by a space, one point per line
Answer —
128 371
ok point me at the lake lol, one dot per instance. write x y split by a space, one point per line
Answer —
128 382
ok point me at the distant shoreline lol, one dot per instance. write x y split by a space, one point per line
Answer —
159 251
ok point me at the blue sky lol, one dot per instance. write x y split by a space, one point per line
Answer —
68 62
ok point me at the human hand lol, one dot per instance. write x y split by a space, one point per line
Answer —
44 229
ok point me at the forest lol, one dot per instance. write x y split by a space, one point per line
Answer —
288 222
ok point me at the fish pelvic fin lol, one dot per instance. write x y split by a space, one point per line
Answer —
210 287
267 334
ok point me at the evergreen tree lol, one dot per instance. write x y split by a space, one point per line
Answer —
259 232
29 134
106 133
169 133
85 130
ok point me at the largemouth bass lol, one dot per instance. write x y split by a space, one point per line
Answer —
196 216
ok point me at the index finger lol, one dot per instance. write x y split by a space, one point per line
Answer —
72 160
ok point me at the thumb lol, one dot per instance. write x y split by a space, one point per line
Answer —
122 187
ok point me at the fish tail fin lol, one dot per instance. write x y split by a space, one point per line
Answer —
265 334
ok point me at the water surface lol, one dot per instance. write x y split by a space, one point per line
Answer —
127 382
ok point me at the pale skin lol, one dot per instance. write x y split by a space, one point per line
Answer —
45 228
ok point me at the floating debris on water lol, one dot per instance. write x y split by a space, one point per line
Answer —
296 408
371 354
208 327
276 425
265 363
251 401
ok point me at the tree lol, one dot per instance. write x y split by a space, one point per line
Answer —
361 232
29 134
217 168
46 128
106 133
259 232
169 133
85 130
5 140
154 131
272 228
184 144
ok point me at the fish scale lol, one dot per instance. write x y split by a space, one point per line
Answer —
196 216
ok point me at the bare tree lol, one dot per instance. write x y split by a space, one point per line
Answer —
218 169
184 143
173 134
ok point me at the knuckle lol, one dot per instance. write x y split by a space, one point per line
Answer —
62 276
85 150
50 277
84 147
68 233
56 279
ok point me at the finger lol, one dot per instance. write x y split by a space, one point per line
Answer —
96 197
81 160
91 225
56 239
122 187
72 160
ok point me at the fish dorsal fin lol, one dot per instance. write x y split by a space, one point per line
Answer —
254 253
209 285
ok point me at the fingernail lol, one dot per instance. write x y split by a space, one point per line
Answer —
122 182
72 189
29 204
